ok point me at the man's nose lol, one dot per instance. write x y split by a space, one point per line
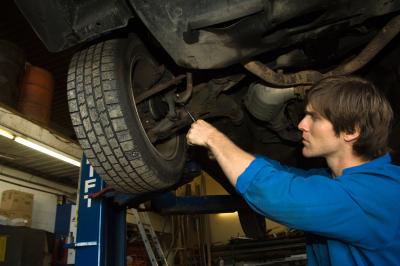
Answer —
303 125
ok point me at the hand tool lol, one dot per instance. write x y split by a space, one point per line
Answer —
190 115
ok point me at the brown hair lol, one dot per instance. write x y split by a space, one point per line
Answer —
350 102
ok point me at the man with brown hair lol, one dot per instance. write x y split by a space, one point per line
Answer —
349 211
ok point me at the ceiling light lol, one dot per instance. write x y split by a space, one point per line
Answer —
6 134
53 153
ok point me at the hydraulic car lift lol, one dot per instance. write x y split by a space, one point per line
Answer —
101 232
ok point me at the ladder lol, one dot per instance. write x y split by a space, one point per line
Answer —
149 237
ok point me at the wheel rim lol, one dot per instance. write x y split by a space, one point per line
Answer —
142 72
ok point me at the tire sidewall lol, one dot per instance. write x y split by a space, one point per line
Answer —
168 171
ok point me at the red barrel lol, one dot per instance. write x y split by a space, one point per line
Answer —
36 94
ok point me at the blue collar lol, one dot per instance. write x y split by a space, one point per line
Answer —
384 159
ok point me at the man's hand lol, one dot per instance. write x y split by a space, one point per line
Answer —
230 157
200 133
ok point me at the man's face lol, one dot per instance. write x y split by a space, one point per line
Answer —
319 138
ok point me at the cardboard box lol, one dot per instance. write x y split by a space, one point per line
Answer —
17 201
3 212
21 218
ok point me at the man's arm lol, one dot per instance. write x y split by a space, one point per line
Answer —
313 203
230 157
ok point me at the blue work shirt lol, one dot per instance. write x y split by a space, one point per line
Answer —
353 219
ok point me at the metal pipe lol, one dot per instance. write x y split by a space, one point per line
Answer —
158 88
184 96
385 35
309 77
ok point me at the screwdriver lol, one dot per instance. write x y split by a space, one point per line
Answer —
190 115
210 154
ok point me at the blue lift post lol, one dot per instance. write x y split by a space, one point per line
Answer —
101 232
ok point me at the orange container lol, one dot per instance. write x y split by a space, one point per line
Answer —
36 94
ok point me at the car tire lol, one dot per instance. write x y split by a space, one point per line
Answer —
102 83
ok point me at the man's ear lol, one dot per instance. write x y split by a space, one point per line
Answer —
350 137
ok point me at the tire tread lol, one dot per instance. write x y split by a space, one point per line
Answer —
99 122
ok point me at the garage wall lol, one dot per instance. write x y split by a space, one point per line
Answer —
44 202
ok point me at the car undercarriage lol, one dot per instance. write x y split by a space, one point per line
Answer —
146 69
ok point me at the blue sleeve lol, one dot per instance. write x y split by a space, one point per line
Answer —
303 200
294 170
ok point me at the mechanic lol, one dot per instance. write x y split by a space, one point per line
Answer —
350 212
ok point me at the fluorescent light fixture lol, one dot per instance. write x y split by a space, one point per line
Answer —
6 134
47 151
51 152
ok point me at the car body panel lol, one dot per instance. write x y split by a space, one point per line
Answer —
205 34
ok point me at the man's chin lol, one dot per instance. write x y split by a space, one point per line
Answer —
307 153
